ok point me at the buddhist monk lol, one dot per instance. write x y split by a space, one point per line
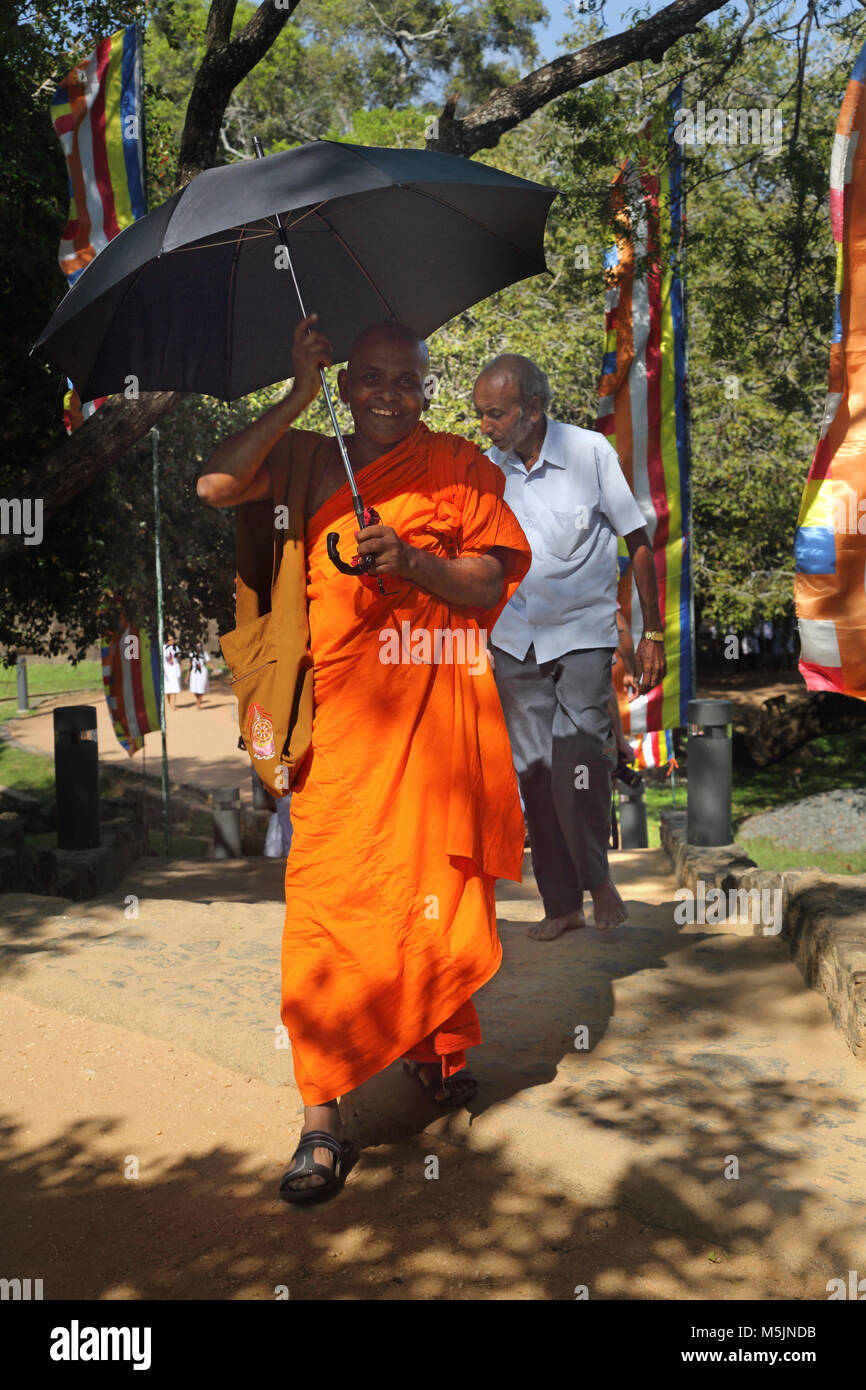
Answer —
406 808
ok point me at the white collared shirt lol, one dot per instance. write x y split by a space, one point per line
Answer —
572 505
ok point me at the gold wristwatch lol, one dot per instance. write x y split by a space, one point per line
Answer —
653 637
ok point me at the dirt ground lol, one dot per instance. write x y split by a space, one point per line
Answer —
150 1113
709 1141
748 689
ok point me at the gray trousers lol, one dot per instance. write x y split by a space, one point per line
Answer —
564 754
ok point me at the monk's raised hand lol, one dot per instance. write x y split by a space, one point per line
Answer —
391 555
310 351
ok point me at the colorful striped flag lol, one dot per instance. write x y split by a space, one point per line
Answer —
97 113
653 750
130 676
74 413
830 540
643 411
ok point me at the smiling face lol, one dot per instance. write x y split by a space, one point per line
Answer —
383 386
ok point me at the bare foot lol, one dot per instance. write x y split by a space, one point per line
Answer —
552 927
608 907
322 1117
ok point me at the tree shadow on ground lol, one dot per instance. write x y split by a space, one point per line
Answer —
211 1227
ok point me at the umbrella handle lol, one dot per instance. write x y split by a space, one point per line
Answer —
360 564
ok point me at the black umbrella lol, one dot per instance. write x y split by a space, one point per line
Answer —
203 294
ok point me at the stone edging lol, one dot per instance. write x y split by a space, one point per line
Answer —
823 918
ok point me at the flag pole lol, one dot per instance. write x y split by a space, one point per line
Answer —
166 819
142 105
687 412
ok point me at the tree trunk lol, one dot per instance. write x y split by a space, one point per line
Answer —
90 451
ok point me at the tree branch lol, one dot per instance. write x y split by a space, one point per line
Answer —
95 447
506 108
226 63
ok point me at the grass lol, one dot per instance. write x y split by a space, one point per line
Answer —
23 772
34 772
182 846
826 764
49 678
768 855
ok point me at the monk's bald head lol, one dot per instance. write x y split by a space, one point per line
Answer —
383 385
389 335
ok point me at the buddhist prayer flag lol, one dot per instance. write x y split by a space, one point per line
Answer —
830 540
643 411
653 750
74 413
97 113
131 675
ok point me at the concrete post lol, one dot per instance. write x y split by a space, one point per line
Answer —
23 700
227 823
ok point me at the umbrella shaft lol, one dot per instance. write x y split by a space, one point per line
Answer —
340 442
356 499
330 404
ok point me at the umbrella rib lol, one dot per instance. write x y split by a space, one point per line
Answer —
230 311
347 248
210 245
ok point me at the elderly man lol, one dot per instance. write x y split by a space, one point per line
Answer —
405 810
555 640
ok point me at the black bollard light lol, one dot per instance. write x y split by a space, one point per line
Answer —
708 801
262 799
76 777
632 817
23 699
227 823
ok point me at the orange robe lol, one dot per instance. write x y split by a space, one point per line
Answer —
406 810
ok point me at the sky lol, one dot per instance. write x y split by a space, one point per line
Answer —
616 18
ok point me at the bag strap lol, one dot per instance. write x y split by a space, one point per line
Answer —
306 465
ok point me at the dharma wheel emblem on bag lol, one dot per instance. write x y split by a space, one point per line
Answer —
261 727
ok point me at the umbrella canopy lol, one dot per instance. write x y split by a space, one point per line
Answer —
198 295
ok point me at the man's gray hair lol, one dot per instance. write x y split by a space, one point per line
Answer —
526 374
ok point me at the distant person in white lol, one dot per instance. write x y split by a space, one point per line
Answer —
171 671
555 639
199 665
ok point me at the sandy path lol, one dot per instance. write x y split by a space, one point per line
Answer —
153 1039
202 743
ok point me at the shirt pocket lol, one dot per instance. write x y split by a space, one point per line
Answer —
569 529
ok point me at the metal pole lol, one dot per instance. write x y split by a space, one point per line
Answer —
708 793
76 777
141 102
166 819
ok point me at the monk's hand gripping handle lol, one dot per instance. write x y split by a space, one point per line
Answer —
359 564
